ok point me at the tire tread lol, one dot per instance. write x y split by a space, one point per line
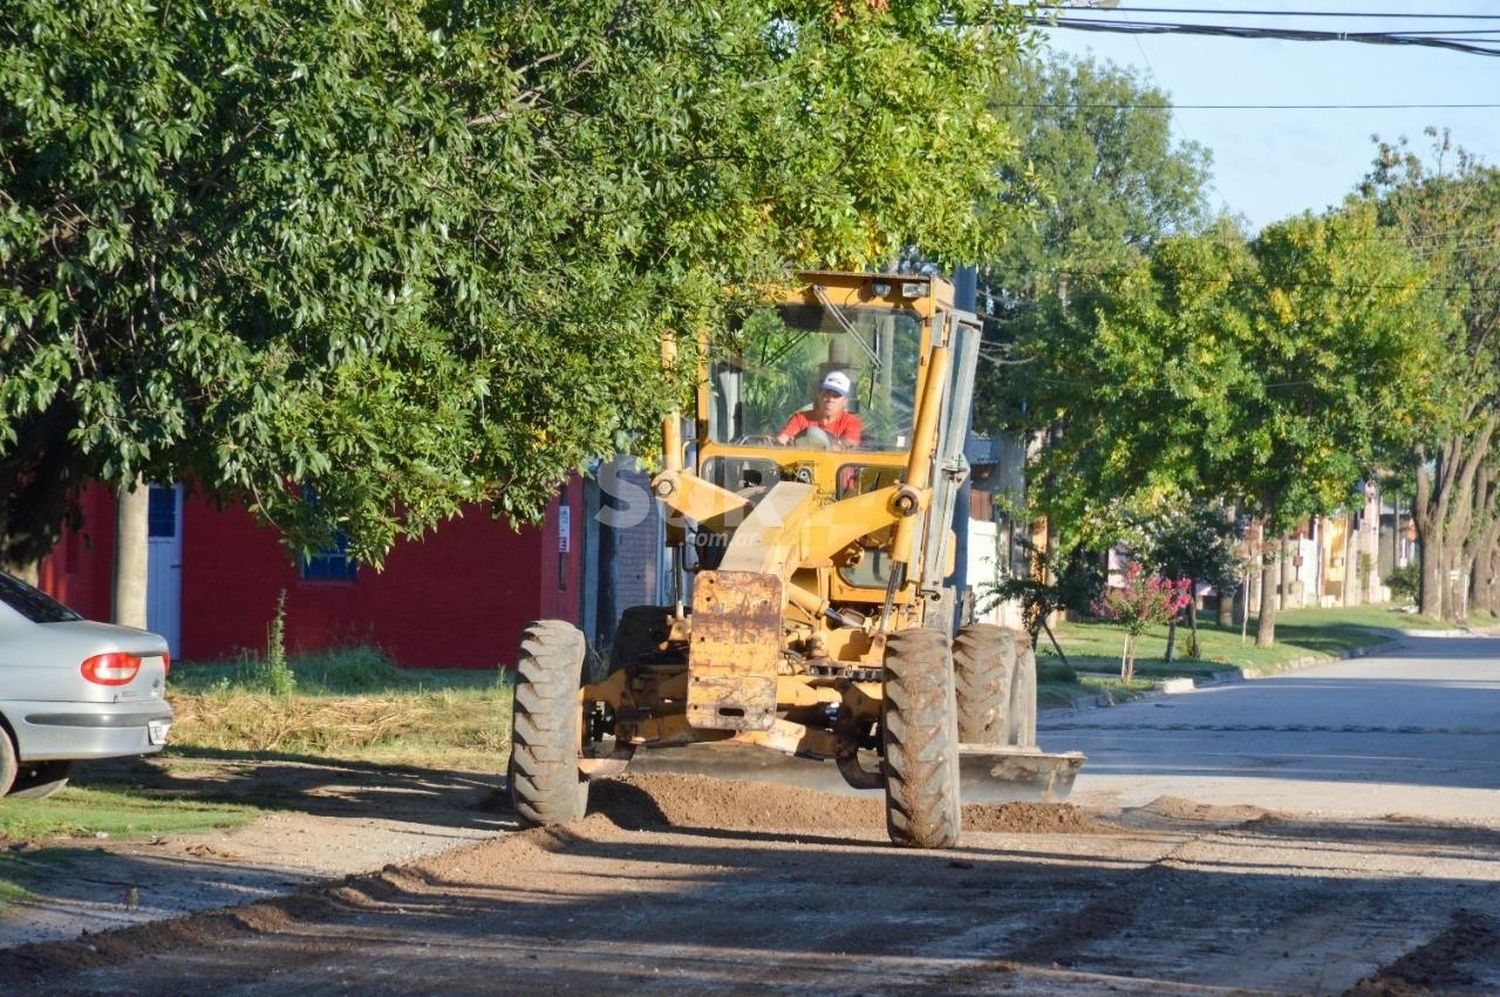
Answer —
984 661
920 733
546 786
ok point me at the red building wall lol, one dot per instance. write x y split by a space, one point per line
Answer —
459 598
80 570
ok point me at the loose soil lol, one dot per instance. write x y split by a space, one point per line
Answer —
685 882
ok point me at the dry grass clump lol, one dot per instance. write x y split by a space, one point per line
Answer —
242 720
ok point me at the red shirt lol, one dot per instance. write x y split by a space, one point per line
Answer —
844 427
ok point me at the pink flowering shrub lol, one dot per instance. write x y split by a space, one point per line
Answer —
1143 601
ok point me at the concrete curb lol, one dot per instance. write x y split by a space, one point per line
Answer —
1388 638
1185 684
1308 660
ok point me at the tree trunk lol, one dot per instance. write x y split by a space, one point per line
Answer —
1482 567
1171 654
30 572
1192 607
1283 576
1127 659
1250 575
1351 562
1256 536
1265 625
1489 560
1444 512
1430 560
1492 605
1227 597
1055 645
1427 517
131 508
1457 595
1473 567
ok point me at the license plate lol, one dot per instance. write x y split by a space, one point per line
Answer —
156 731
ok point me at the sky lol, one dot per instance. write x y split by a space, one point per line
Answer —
1273 162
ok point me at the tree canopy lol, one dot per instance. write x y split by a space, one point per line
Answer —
419 254
1446 209
1098 141
1135 386
1097 157
1271 374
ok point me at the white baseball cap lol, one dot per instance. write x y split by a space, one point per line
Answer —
838 381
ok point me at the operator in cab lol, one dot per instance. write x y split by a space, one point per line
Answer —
829 421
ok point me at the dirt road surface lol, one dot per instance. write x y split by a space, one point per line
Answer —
687 883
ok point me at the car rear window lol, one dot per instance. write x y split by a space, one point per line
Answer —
35 605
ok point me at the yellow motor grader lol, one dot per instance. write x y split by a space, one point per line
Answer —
810 520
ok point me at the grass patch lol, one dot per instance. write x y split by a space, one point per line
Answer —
1095 647
341 672
454 725
93 814
1387 617
352 703
113 813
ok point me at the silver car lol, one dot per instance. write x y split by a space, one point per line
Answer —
72 689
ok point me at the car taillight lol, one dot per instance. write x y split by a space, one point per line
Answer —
166 664
115 668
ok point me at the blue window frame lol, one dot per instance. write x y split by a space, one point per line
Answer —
161 511
333 563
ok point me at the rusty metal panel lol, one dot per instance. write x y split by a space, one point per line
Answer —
736 645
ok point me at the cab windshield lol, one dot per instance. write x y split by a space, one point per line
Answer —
816 377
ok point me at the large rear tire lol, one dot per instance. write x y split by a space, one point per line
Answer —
1021 724
984 660
919 730
39 780
546 786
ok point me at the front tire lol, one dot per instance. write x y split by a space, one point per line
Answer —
546 786
919 729
984 661
8 766
39 780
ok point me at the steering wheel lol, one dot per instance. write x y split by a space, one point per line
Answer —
815 439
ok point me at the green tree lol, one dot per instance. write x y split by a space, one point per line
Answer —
1447 210
1270 376
1097 157
1143 601
1096 154
1345 344
1135 387
1097 140
420 256
1191 541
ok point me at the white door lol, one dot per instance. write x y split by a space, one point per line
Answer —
984 570
164 565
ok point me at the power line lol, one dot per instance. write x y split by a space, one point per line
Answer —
1166 106
1347 288
1315 13
1256 33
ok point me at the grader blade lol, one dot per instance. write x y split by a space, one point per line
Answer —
986 774
1002 775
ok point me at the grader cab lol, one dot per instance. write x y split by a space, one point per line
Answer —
810 520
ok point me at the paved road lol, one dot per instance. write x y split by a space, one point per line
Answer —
1415 730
